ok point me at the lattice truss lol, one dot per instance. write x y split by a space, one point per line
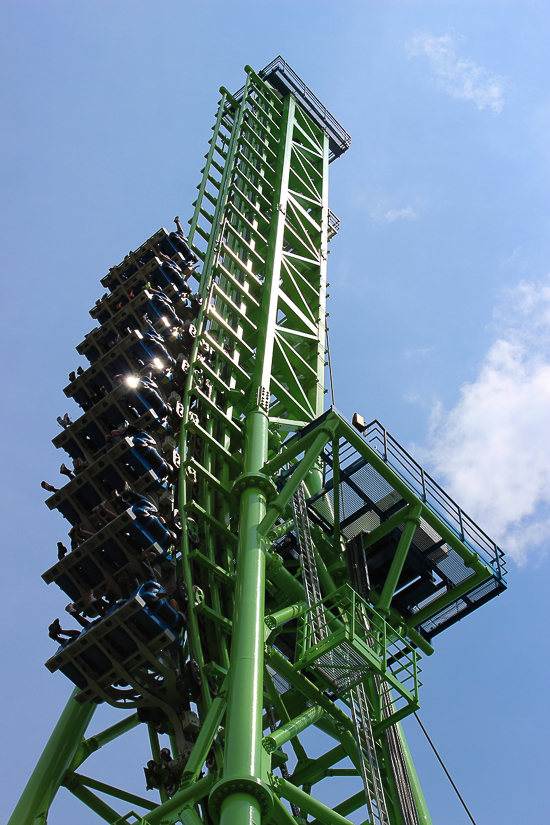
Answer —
266 177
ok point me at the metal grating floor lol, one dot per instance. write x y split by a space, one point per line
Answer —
366 499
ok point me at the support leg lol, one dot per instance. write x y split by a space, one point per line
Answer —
243 746
52 765
421 808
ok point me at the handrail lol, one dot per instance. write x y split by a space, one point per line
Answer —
434 496
279 70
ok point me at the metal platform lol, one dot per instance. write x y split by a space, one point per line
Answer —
282 78
378 482
357 642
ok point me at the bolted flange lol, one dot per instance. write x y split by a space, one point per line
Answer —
250 785
258 480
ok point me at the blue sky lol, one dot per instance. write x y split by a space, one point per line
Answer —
439 307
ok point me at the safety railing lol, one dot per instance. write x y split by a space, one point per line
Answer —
358 641
333 224
434 496
280 74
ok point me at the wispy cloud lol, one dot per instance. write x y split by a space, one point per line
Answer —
357 199
493 448
417 354
459 76
391 215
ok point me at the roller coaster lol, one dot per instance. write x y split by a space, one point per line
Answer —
245 563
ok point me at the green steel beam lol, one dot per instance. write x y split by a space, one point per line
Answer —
280 814
78 780
98 740
305 686
205 738
283 714
412 521
316 769
419 800
289 453
386 526
93 802
168 812
448 598
54 762
290 729
344 808
278 507
396 620
307 803
336 493
285 615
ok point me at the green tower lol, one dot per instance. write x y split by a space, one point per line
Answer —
315 558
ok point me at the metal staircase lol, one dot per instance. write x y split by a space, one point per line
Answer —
359 579
309 566
370 772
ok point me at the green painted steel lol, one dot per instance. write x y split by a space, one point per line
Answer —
91 745
419 800
289 730
52 765
411 521
309 804
253 431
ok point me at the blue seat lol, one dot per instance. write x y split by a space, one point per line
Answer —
68 587
113 554
161 277
68 511
71 446
139 462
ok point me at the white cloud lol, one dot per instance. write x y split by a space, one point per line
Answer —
511 259
493 448
459 76
392 215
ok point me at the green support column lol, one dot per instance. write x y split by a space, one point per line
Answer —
243 757
52 765
243 793
421 808
412 521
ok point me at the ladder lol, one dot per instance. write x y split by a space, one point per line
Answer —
401 777
312 587
370 772
359 579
